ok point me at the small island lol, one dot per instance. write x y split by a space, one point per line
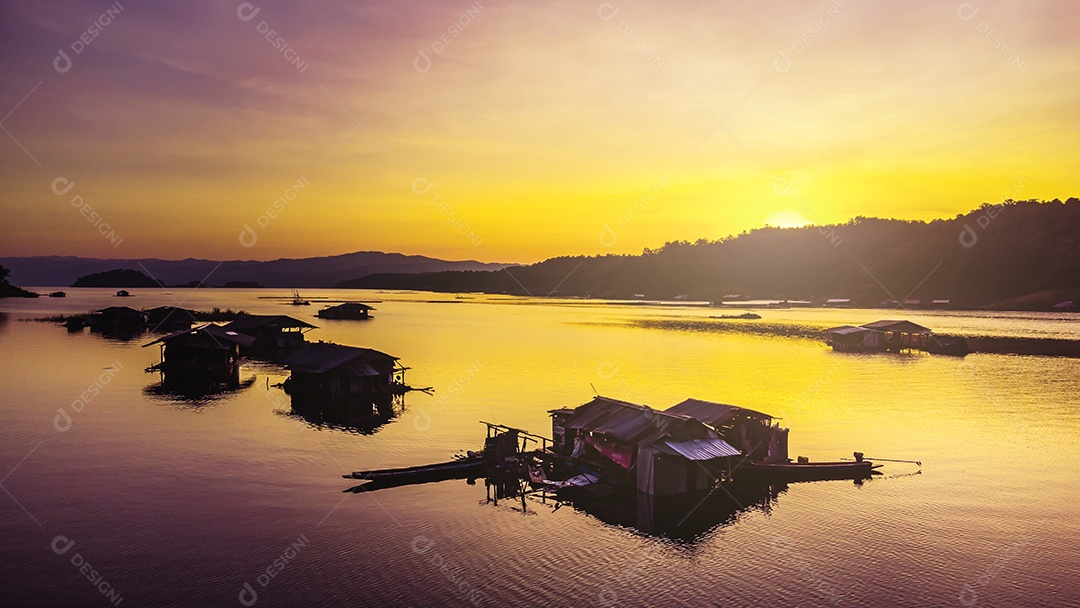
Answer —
120 277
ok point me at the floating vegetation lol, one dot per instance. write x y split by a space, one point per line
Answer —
785 330
214 314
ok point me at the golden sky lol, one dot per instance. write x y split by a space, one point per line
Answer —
517 131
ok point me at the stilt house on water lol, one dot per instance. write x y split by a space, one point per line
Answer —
332 374
348 310
275 335
886 335
665 452
201 359
848 338
118 320
169 318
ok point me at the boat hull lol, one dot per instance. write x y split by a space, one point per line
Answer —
388 478
811 471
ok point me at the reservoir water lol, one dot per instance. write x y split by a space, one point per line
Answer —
231 499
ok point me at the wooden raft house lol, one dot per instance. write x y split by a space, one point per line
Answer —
169 318
356 311
201 359
327 374
275 335
668 452
880 336
118 321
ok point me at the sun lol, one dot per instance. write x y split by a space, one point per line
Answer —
786 218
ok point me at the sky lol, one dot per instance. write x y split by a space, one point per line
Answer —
516 131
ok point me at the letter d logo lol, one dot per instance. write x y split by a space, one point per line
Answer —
62 63
422 63
248 237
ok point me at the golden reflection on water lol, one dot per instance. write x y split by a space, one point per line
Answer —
239 476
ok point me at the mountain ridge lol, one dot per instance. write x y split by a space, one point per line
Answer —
321 271
1015 254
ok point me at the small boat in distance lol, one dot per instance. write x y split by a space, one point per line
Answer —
297 300
57 294
123 293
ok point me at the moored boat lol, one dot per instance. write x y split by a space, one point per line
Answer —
804 471
455 469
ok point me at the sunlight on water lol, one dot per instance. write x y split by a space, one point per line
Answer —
200 496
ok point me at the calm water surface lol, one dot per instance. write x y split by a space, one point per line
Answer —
180 503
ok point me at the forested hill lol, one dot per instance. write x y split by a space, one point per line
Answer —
1017 255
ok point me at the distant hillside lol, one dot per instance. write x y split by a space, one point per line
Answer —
304 272
116 278
1013 255
7 290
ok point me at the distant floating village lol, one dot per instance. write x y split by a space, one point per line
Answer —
331 381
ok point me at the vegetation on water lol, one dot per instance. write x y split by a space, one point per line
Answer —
213 315
1014 255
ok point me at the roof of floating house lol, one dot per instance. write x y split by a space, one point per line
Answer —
625 421
698 449
203 334
120 310
845 330
712 414
322 357
164 310
349 305
906 327
667 432
251 322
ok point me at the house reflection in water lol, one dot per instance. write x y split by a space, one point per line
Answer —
200 360
341 382
686 517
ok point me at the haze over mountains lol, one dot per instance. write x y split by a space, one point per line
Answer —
304 272
1015 255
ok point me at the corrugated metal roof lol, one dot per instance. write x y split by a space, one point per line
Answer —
120 310
713 414
844 330
698 449
349 305
321 357
625 421
249 322
208 332
906 327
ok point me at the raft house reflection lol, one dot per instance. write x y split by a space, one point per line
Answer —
203 359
